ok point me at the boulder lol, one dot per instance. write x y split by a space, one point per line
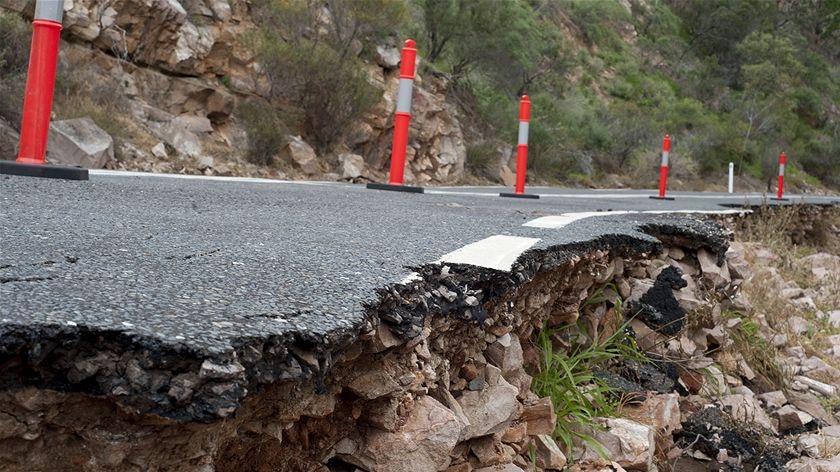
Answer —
491 409
351 166
79 142
539 417
791 419
549 456
301 154
422 443
388 57
626 442
660 412
773 400
506 354
822 264
717 274
747 409
489 450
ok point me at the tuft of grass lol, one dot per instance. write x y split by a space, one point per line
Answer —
579 396
760 355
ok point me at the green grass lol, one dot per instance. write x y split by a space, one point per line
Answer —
579 397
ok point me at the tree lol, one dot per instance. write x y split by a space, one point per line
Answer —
770 72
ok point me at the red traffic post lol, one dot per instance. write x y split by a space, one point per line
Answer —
663 169
402 119
780 187
522 151
37 102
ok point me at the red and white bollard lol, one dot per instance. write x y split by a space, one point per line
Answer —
522 151
663 169
37 103
780 187
402 119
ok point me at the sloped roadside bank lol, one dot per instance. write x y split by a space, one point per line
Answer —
441 376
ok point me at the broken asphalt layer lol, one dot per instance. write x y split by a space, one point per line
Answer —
179 296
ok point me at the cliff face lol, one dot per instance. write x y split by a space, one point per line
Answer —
171 73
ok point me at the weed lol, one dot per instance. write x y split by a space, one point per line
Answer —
578 395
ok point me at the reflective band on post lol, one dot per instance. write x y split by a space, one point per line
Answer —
404 95
782 171
665 156
50 10
523 132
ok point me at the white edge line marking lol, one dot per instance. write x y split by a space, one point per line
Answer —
496 252
412 277
126 173
559 221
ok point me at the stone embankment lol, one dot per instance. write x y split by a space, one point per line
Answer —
442 377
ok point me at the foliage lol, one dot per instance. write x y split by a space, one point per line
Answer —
481 158
578 395
266 133
321 78
14 56
730 80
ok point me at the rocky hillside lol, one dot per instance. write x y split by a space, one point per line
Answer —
306 89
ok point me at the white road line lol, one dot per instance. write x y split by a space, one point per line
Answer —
559 221
496 252
472 194
125 173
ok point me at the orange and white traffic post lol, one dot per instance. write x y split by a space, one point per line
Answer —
402 119
663 169
37 102
780 186
522 151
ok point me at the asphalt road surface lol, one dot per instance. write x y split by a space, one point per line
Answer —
200 261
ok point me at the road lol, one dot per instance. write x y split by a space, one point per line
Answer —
216 255
204 263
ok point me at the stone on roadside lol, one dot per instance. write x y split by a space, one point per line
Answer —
387 56
79 142
351 166
301 154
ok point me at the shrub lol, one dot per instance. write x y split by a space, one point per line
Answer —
482 159
266 132
14 57
317 75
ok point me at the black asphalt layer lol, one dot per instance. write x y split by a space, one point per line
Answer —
195 269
